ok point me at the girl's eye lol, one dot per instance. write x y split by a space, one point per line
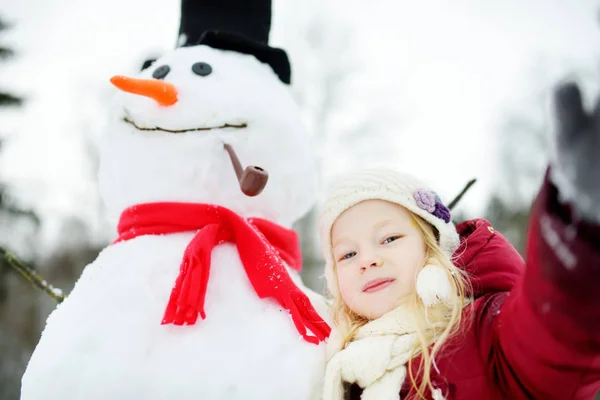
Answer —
348 255
391 239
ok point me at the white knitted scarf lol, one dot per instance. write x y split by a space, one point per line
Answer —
375 360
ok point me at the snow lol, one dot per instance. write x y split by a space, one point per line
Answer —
106 341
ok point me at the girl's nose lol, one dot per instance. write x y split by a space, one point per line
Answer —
372 261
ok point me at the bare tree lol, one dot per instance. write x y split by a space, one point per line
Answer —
7 99
18 230
24 309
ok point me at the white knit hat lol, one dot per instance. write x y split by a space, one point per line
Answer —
390 185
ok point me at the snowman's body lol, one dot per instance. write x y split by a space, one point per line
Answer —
106 340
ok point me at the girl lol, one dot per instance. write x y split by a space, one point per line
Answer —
427 310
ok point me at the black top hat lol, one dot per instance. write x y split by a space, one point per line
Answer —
235 25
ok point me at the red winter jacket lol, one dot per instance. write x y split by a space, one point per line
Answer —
533 331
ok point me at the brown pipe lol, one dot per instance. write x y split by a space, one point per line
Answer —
252 179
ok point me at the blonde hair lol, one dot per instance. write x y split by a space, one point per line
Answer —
435 325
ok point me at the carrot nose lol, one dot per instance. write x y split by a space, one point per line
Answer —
162 92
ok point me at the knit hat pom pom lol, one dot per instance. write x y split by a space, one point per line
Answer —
433 285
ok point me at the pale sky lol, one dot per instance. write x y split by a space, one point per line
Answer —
438 75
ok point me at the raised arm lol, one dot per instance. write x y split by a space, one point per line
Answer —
546 338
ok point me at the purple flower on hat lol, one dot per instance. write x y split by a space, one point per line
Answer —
441 211
430 202
425 199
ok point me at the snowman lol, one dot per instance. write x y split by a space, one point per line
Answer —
199 296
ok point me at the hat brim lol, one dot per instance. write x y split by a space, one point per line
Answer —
276 58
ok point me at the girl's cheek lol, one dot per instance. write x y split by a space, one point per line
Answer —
344 282
341 278
346 295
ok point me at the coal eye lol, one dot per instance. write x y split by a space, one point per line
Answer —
201 68
161 72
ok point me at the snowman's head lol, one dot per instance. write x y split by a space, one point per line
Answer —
169 125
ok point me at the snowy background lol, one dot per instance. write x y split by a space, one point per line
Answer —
445 90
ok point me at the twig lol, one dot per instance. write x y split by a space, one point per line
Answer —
32 276
462 193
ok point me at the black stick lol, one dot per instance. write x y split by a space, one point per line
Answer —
462 193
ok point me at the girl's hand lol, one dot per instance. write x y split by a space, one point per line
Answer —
575 168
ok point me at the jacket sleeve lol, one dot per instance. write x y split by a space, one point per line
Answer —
544 337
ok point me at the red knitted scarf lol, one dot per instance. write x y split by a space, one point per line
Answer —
263 247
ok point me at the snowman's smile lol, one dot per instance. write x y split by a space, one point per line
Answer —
156 128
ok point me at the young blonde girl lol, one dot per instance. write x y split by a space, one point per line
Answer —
424 309
431 313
